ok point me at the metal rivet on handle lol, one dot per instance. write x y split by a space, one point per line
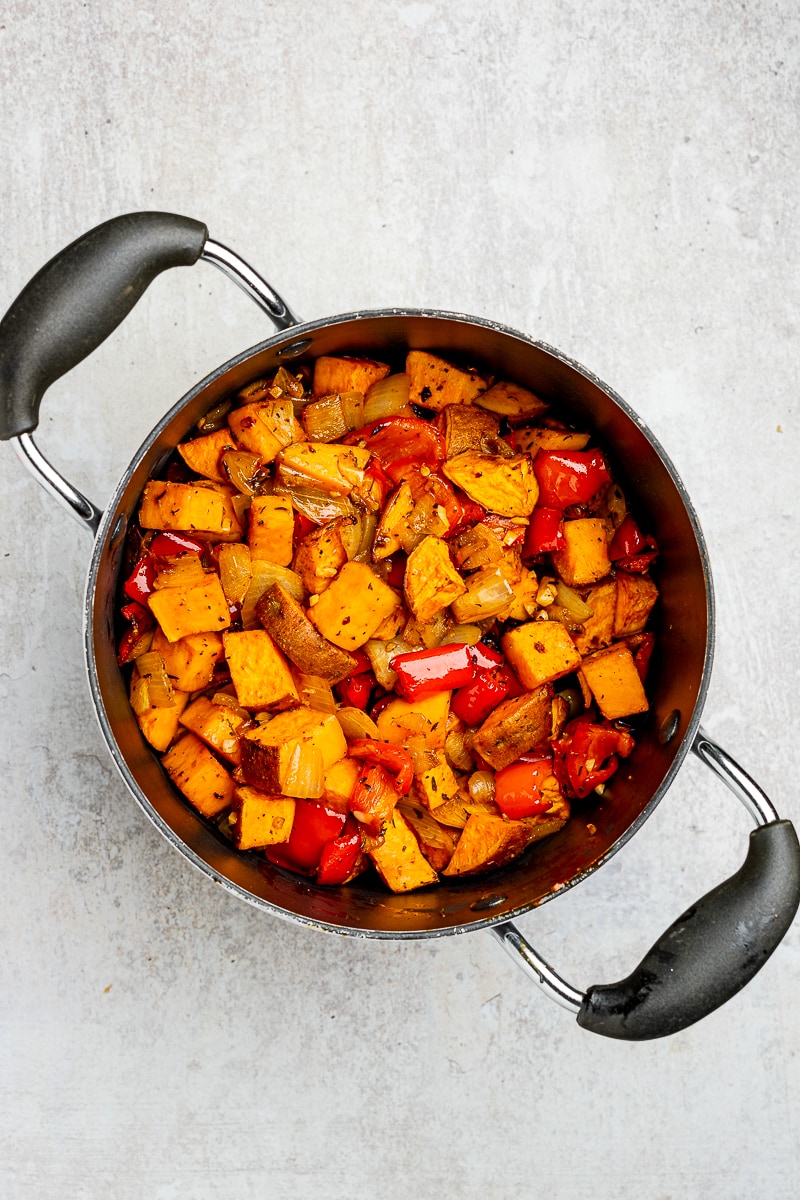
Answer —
669 727
294 348
488 902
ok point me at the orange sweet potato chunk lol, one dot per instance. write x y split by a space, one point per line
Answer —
259 671
344 374
540 651
614 682
200 776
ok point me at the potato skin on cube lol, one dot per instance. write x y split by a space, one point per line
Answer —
267 751
350 610
344 374
515 726
464 426
614 682
506 486
261 820
584 558
399 861
260 673
289 627
540 652
199 775
431 581
203 509
488 841
182 611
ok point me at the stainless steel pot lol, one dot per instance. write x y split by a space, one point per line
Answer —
79 297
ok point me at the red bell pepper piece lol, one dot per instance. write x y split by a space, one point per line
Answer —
642 648
302 526
397 573
398 442
362 662
569 476
518 787
142 621
630 550
374 797
167 544
356 690
494 681
313 827
440 669
393 758
586 754
340 856
139 583
545 533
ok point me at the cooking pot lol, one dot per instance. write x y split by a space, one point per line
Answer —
711 951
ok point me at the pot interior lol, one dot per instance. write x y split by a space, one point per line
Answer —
678 674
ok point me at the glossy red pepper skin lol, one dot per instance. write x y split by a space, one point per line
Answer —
362 662
139 584
302 526
518 788
167 544
395 759
339 857
545 533
397 574
630 550
441 669
399 442
355 690
586 754
494 682
568 477
313 827
374 797
141 621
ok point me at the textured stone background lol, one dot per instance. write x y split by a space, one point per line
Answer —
620 180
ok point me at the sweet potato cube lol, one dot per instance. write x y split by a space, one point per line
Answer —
319 557
436 383
350 610
511 400
540 651
261 820
464 426
399 861
437 784
515 726
431 580
636 595
335 468
343 374
264 427
277 756
271 529
614 682
541 438
203 454
506 486
584 558
181 611
217 725
159 725
598 629
340 779
205 509
289 627
199 775
191 660
419 722
259 671
488 841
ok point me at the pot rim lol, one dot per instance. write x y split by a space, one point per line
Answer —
112 529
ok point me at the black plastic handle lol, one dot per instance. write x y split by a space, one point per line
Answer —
711 951
78 299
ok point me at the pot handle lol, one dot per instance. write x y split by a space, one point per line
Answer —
712 950
79 298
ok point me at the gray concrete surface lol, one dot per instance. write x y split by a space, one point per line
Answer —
618 179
